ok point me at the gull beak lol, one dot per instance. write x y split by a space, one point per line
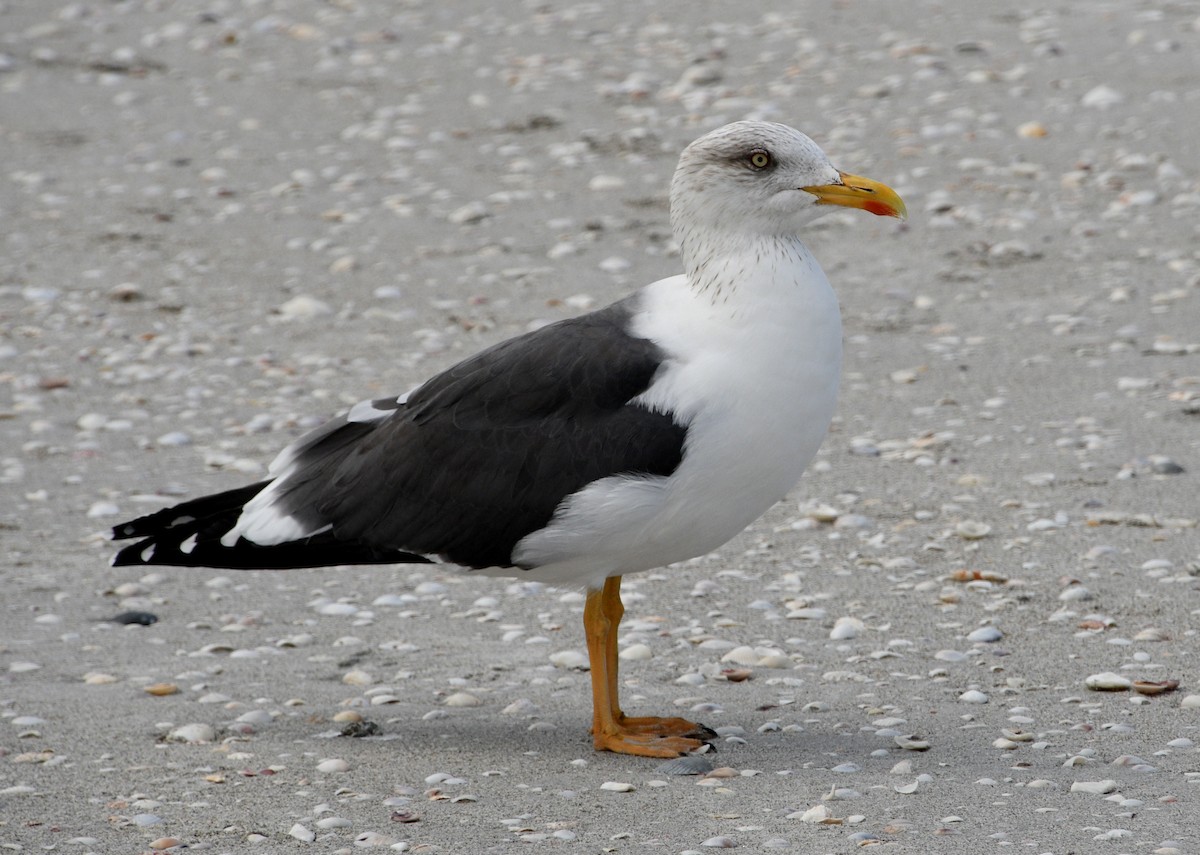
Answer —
857 192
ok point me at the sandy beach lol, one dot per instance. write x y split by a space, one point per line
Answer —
971 628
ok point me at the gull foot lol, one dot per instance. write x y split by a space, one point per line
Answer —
650 725
623 741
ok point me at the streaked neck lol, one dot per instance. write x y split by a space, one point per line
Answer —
715 264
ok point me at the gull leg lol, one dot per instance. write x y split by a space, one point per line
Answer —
612 730
651 725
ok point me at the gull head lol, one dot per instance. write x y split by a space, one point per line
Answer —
765 179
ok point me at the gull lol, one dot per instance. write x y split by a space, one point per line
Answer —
642 434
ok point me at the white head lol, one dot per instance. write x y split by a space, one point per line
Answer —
762 180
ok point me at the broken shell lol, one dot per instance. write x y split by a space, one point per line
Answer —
724 772
688 764
1152 634
1154 687
910 744
820 512
977 576
192 733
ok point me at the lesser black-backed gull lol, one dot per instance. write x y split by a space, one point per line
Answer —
639 435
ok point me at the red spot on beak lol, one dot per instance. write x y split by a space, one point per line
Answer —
878 209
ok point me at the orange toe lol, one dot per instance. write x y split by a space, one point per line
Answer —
663 727
623 741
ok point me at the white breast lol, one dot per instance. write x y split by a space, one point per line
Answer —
754 374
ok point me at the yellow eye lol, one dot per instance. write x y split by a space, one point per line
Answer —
760 159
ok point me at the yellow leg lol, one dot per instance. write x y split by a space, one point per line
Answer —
612 730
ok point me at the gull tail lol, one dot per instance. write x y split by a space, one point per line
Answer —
189 535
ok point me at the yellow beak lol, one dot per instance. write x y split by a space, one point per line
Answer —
858 192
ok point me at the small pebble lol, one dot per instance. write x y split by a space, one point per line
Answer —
472 212
615 264
972 530
175 438
134 619
1107 682
305 835
985 635
636 652
809 613
845 628
192 733
258 717
304 308
357 677
521 707
571 659
1101 97
103 509
337 609
1163 465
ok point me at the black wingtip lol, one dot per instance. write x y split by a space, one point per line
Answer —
191 535
133 554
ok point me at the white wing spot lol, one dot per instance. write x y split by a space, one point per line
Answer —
263 524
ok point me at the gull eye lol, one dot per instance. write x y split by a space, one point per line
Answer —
759 159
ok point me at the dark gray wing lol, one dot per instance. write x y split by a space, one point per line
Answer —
482 454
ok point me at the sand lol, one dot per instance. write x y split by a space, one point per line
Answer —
223 223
